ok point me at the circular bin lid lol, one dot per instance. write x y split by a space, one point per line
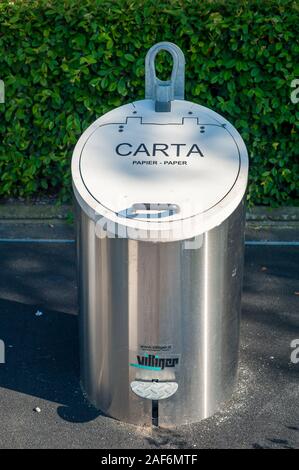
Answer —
160 176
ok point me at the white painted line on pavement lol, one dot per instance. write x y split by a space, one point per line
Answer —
59 240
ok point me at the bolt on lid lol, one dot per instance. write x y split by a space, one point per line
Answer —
162 168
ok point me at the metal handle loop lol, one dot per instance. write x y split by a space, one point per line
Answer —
164 91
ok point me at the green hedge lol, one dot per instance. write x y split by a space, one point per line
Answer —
67 62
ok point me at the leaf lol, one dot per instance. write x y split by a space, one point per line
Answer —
129 57
121 87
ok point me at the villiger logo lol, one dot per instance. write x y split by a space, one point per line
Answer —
155 362
126 149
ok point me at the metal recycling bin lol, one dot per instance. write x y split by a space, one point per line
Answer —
160 186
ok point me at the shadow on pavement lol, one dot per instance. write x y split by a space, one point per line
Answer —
42 358
42 352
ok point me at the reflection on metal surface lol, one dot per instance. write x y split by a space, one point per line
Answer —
205 327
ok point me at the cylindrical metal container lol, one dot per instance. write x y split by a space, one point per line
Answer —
160 187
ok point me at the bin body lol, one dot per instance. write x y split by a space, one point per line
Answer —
160 186
135 293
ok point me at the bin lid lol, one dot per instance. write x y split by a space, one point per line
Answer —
160 175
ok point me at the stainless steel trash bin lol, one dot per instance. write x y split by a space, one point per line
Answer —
160 187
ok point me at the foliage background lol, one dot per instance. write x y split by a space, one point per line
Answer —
64 63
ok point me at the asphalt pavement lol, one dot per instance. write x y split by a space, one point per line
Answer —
42 406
